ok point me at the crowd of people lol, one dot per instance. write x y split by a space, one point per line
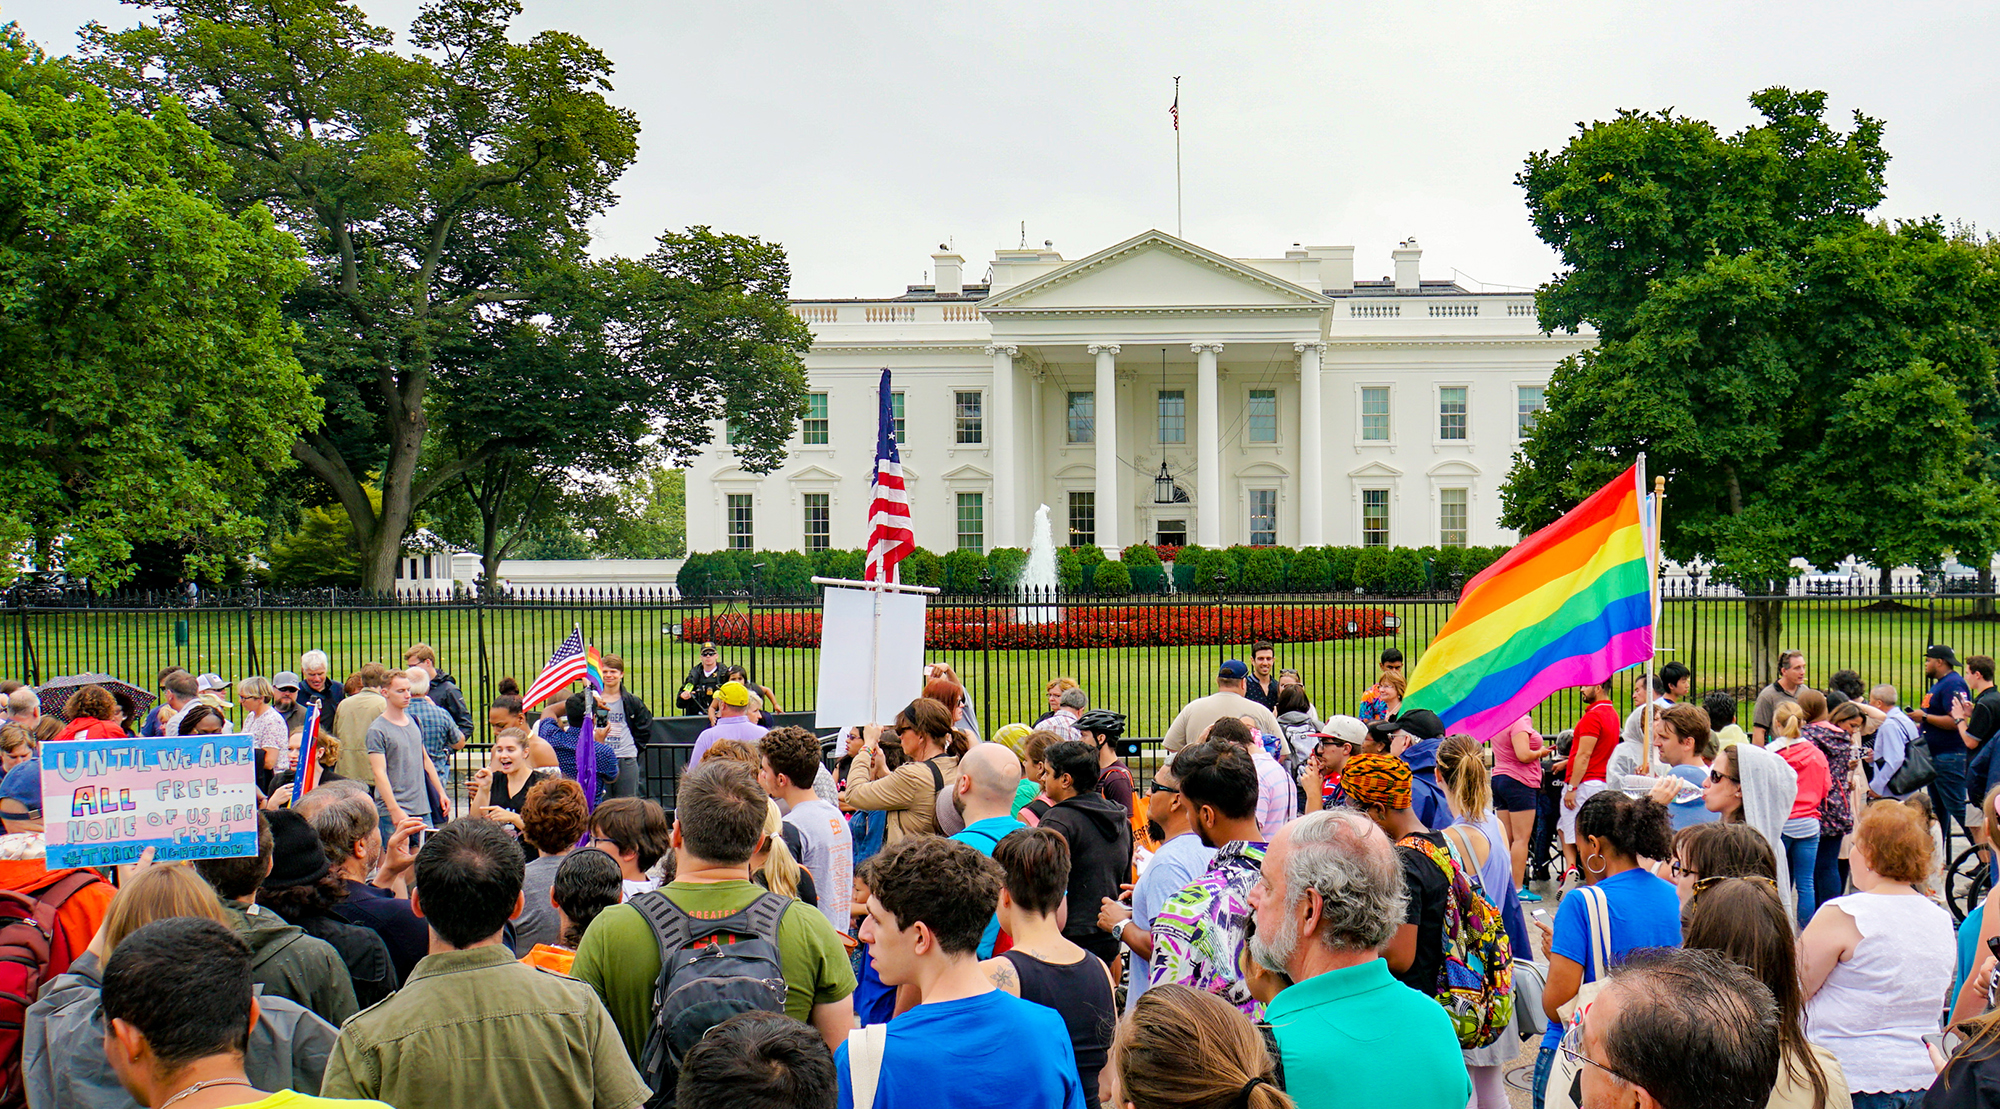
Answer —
1281 908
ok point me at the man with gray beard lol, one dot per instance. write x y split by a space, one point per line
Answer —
1329 900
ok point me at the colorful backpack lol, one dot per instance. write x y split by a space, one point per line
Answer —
1476 986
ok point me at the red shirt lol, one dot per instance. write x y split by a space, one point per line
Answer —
1600 720
1814 777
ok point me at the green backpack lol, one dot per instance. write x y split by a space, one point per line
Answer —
1476 986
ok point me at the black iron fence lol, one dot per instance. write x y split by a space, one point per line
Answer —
1143 657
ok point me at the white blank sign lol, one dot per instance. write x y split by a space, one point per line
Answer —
847 648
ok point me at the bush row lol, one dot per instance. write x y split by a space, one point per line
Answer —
1002 628
1382 571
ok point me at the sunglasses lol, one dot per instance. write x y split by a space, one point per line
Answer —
1716 777
1158 788
1572 1046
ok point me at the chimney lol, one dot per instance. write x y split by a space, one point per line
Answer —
1336 267
949 269
1406 255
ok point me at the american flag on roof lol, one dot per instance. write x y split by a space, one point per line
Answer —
889 534
305 774
565 666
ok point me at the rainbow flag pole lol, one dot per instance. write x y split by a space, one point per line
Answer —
1571 604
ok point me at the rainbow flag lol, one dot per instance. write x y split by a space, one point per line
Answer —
1569 605
593 669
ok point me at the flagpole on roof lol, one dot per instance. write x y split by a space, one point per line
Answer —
1180 220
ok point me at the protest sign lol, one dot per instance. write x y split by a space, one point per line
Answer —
189 797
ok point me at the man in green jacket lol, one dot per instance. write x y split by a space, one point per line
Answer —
283 959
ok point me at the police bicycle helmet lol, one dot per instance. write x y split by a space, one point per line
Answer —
1102 724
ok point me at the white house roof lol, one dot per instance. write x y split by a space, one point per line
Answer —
1153 271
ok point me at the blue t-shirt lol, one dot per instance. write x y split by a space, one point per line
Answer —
992 1051
984 836
1687 814
1944 741
1645 912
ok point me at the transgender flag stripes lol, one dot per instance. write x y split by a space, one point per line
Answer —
889 534
305 773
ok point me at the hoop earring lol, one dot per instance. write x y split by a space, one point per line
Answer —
1599 856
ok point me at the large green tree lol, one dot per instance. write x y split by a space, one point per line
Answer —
427 186
148 391
1811 384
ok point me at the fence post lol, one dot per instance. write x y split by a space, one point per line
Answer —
485 663
250 633
31 672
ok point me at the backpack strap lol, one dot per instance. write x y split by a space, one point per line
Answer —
1461 854
670 925
865 1047
1600 929
1270 1036
937 776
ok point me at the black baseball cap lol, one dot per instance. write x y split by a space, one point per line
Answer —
1422 723
1940 651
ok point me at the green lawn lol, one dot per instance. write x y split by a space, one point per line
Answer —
1147 683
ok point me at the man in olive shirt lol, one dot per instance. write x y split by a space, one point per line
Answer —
718 821
472 1026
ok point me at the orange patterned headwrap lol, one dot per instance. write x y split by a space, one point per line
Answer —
1377 780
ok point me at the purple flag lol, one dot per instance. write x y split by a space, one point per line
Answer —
586 760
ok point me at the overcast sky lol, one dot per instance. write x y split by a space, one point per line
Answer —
862 135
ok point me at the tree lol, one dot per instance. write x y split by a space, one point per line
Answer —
320 553
1757 339
648 517
424 185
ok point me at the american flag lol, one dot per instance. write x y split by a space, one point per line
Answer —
889 534
565 666
305 775
1175 109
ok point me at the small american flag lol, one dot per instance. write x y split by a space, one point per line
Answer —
1175 109
565 666
889 534
305 775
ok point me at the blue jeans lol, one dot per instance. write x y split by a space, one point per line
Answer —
1801 855
1545 1060
1828 881
1948 796
1901 1099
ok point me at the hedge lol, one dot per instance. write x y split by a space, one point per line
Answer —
1381 571
995 627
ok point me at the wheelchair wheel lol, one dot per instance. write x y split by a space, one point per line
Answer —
1966 881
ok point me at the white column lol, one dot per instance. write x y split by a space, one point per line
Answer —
1207 447
1107 446
1003 521
1312 459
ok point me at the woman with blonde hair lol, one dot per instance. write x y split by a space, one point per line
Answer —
775 866
17 745
1183 1048
266 728
62 1054
1054 691
1801 829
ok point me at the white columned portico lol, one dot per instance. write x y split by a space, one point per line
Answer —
1312 459
1005 528
1106 435
1207 447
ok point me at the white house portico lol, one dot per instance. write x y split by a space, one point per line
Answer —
1285 401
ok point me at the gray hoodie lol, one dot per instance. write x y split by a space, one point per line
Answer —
1770 785
62 1050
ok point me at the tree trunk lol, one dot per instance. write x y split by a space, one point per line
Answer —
1983 604
378 565
1764 620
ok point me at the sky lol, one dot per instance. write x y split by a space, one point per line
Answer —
863 135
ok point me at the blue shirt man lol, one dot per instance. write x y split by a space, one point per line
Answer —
984 792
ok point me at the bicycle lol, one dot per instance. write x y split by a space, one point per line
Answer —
1967 880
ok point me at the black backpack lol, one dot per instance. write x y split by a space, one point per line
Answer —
710 970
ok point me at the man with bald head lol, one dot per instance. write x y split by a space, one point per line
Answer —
988 776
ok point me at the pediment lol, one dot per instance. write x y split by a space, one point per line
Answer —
968 472
1375 469
1263 469
813 473
1454 467
1154 270
1074 471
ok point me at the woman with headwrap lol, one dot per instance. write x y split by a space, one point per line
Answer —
1753 785
1380 785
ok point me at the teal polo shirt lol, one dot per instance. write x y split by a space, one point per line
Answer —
1356 1036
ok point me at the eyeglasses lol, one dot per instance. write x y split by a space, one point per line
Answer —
1572 1046
1680 871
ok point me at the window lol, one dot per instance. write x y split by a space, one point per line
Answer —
1527 402
1375 414
813 430
1374 517
1173 415
1451 517
819 521
972 521
741 516
1083 417
1171 533
1263 415
1451 412
1082 517
971 421
1263 517
729 431
896 418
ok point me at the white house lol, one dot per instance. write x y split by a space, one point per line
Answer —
1287 401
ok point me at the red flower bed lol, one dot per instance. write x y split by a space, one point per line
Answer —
999 628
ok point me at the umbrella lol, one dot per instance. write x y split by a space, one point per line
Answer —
55 694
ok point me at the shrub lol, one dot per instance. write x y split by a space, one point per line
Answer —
1147 579
961 571
921 567
953 628
1006 564
845 564
1444 564
1371 569
1340 567
1140 554
1069 570
1263 571
787 574
1112 579
1406 572
1090 554
693 578
1308 572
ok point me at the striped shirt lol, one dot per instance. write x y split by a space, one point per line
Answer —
1198 934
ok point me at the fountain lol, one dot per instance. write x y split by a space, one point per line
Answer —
1038 577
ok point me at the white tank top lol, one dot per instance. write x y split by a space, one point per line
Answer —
1874 1009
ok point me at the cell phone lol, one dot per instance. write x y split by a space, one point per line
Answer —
1947 1043
1993 945
1539 914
